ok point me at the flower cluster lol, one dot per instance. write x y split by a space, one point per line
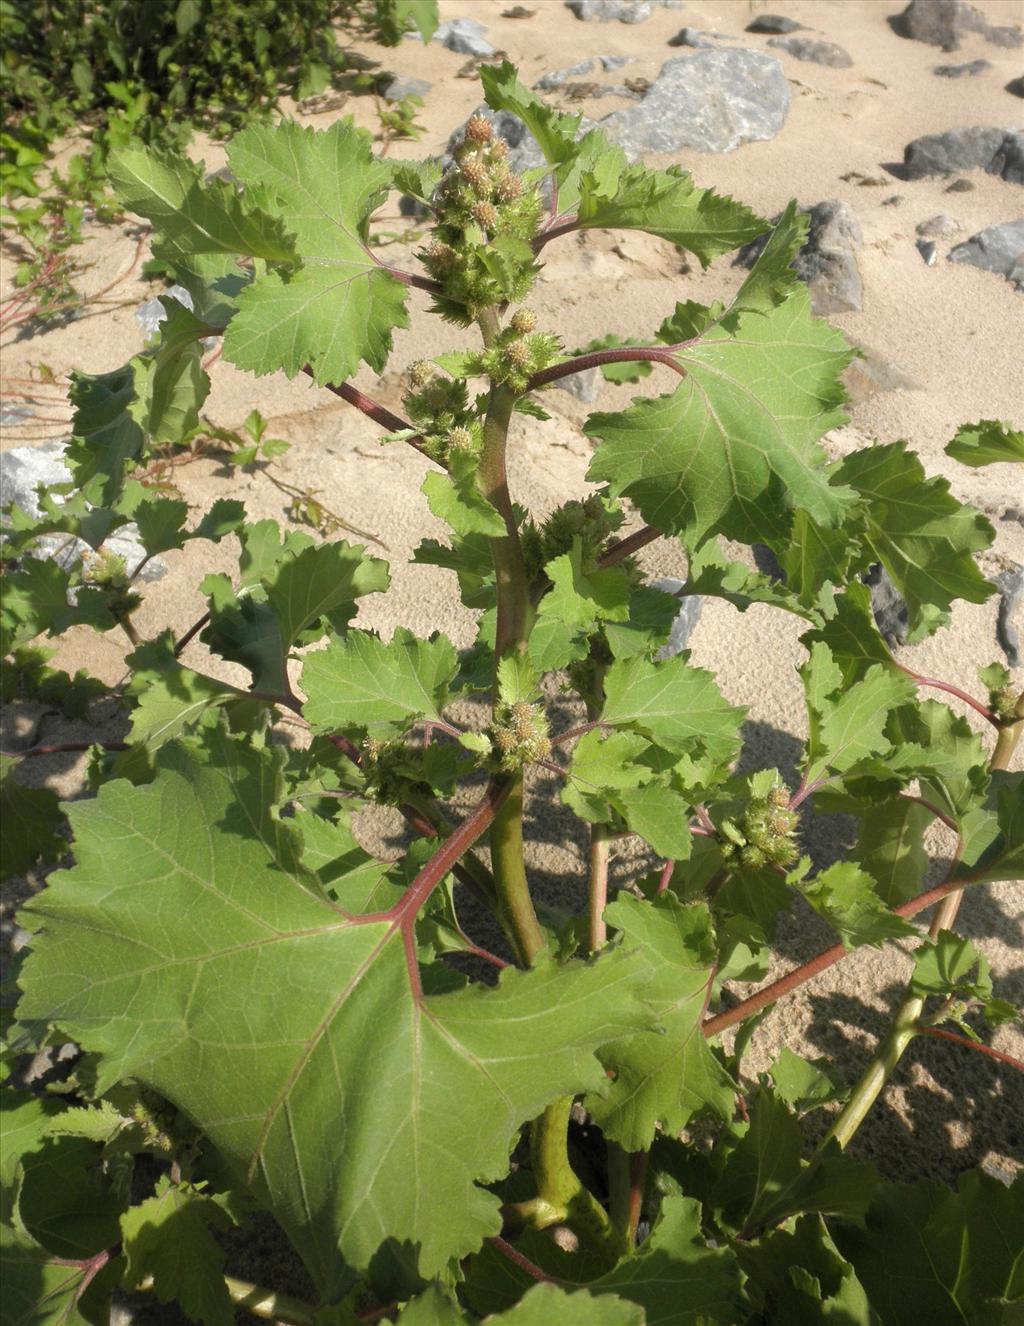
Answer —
480 253
766 834
518 736
440 408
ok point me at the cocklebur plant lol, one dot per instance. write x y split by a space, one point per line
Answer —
537 1122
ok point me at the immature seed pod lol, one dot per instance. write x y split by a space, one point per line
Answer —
517 354
485 214
509 188
420 373
499 149
460 439
474 172
478 130
524 320
504 740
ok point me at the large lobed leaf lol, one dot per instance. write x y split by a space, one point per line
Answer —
340 307
191 951
734 448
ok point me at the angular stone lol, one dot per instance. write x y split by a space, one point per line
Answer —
939 227
686 619
559 77
926 249
585 386
24 469
712 101
998 151
608 11
960 186
464 36
774 23
969 70
826 262
816 52
399 88
700 41
1010 619
997 249
888 606
944 22
1016 87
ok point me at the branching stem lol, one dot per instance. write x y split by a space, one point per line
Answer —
968 1044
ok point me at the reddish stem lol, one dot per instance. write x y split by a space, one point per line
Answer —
62 748
950 689
665 878
648 354
514 1255
972 1045
939 815
577 731
190 634
394 423
628 546
808 970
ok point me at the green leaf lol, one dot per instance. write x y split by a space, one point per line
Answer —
997 852
651 614
455 499
359 1108
629 371
848 900
32 818
301 586
812 557
764 1180
802 1083
989 442
711 575
674 1276
950 966
667 203
581 595
664 1076
798 1276
171 698
417 179
931 1255
169 1236
673 704
38 1291
734 447
851 635
361 682
847 724
919 532
341 305
393 18
890 848
190 216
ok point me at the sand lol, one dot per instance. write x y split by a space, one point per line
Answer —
951 335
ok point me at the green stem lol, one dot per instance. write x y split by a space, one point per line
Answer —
600 839
562 1196
515 904
905 1023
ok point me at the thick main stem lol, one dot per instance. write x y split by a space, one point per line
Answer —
905 1023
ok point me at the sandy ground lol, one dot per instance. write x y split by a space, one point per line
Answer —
951 334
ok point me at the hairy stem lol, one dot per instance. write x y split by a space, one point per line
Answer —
626 547
516 909
626 354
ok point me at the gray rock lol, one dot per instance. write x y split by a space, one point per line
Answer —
997 151
895 200
774 23
997 249
700 41
559 77
465 36
1010 619
585 386
712 101
607 11
826 262
944 22
871 372
816 52
150 314
960 186
686 619
24 469
1016 87
614 61
399 88
888 606
939 227
969 70
926 249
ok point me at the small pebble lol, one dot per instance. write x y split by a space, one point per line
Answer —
927 251
939 227
960 186
893 201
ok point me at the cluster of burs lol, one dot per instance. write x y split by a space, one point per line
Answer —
766 833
